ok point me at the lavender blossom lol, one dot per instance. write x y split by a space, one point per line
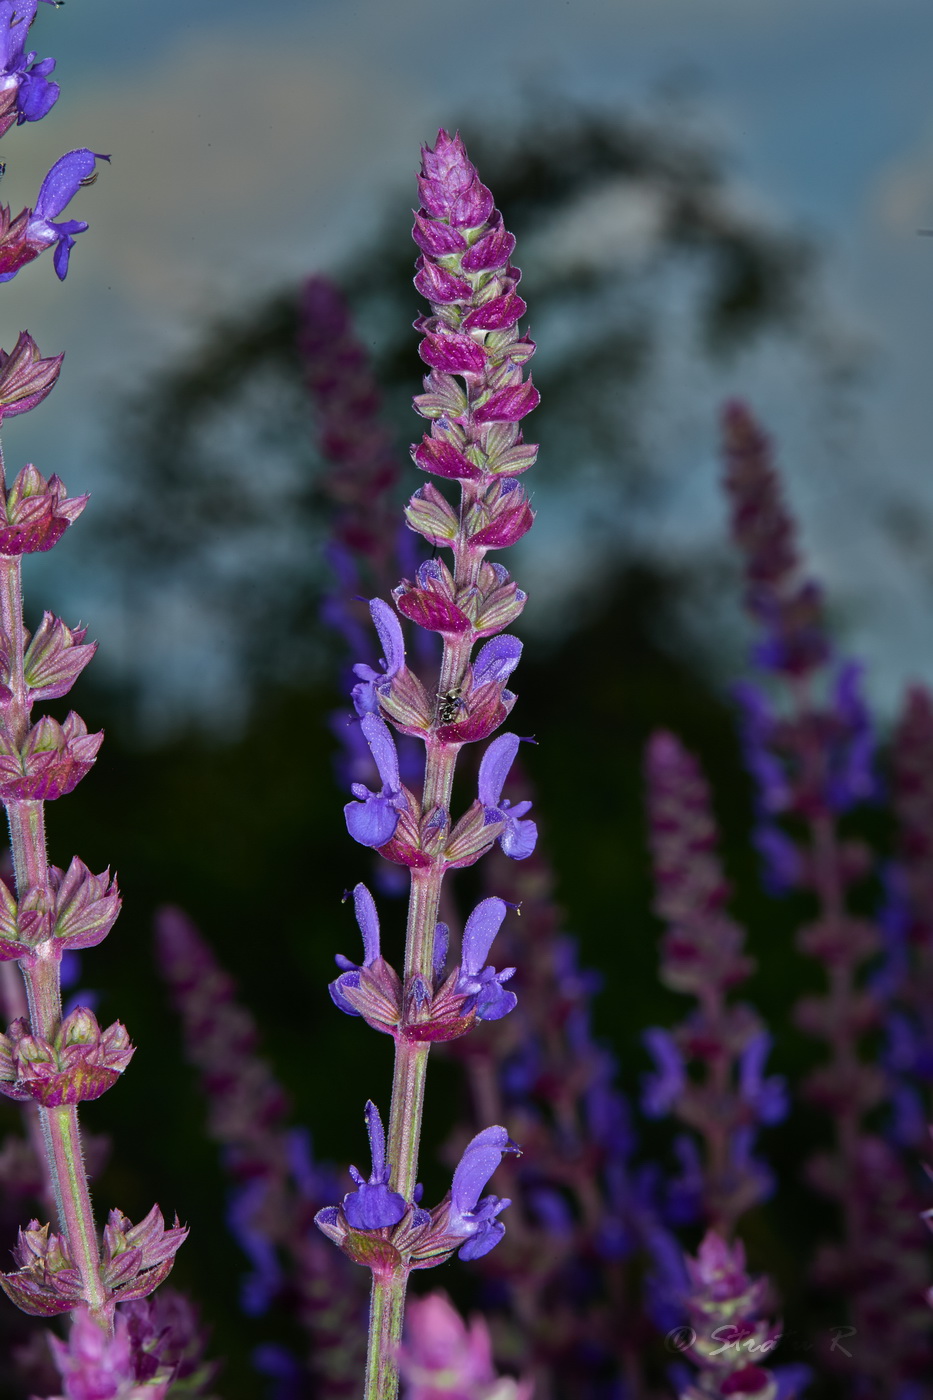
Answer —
373 818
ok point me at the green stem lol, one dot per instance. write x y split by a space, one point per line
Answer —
42 972
386 1314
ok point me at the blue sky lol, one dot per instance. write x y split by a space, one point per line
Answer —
251 141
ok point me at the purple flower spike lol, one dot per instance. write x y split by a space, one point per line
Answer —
492 1001
470 1216
519 838
372 1206
389 629
497 660
368 920
372 820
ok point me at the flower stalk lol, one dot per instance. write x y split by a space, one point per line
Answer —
475 440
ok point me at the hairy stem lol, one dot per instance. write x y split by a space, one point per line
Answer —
42 969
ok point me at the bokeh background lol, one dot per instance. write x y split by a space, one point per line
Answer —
712 197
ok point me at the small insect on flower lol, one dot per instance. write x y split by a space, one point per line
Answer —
449 705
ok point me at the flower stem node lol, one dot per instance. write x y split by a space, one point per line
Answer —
36 513
81 1062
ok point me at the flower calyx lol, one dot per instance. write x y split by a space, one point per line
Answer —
135 1259
77 909
53 759
81 1061
433 600
25 377
35 513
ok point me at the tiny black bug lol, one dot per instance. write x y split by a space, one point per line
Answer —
449 705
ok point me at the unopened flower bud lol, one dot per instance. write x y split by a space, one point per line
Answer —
55 658
36 513
52 762
82 1062
25 378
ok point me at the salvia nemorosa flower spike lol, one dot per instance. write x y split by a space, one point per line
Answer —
475 439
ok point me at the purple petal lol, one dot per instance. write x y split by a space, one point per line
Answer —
519 838
373 1207
377 1140
439 957
368 920
346 979
382 747
373 822
476 1166
64 180
485 1239
390 635
493 1001
481 928
494 769
497 659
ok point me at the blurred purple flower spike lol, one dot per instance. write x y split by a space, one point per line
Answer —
373 818
372 1206
469 1215
519 837
368 920
492 1001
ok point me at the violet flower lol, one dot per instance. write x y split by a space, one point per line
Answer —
371 683
23 74
373 818
469 1216
482 984
39 228
372 1206
519 837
